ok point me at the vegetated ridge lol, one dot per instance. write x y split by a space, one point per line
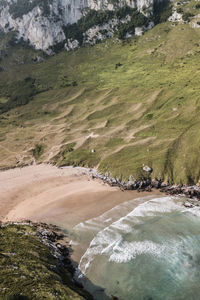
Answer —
35 264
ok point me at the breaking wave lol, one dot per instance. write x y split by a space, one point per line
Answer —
149 248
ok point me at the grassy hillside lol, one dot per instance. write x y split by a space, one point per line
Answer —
30 270
134 102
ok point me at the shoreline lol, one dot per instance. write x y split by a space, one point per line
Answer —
53 237
38 191
44 194
147 184
190 191
65 196
47 193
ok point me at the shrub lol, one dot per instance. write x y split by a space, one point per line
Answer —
93 17
137 20
74 83
118 65
38 151
186 16
161 11
16 297
179 10
19 93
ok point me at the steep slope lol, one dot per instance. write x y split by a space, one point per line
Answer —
46 23
32 266
133 102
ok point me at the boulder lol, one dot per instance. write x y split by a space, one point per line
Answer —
188 204
147 169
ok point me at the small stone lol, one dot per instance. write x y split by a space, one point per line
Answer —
147 169
188 204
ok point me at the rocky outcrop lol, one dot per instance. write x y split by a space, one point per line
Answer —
147 184
37 252
41 23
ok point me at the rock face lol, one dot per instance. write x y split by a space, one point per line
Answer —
41 22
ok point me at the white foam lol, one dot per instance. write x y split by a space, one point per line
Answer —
73 243
111 215
109 241
127 251
155 206
194 210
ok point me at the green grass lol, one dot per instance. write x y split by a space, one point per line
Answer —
144 112
38 150
27 267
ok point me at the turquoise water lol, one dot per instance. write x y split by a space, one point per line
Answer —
150 251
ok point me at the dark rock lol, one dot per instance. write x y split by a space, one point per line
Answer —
114 298
156 184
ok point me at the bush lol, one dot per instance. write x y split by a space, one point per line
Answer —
93 17
137 20
74 83
38 151
19 93
118 65
16 297
186 16
68 148
179 10
161 11
123 29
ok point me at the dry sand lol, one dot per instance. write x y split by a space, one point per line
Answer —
56 195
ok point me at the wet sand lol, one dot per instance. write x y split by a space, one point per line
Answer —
60 196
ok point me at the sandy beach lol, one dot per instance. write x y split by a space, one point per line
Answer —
56 195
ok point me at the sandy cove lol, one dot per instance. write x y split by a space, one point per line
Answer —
50 194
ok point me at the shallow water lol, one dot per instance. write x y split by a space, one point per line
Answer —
142 249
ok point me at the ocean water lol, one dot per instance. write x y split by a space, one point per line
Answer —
147 248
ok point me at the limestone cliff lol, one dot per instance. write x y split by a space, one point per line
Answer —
41 22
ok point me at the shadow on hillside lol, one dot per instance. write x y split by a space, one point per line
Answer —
94 292
16 297
84 284
97 292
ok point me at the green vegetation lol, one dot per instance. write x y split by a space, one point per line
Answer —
16 297
38 151
81 157
135 102
179 10
18 93
29 270
161 11
137 20
186 16
188 9
64 151
93 17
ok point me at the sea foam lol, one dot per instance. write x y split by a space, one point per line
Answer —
151 252
109 241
